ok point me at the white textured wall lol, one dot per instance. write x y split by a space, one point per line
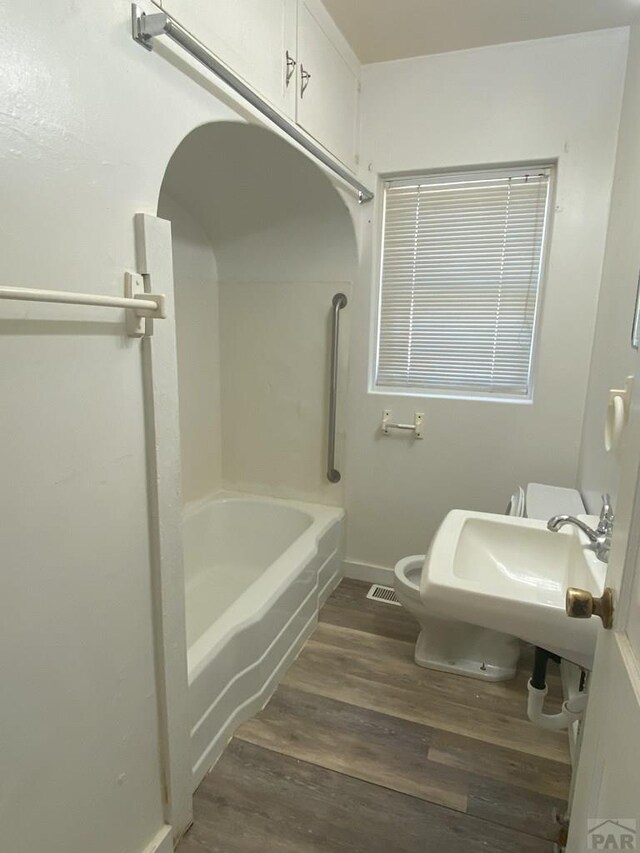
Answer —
197 332
551 99
613 357
284 243
89 121
89 124
275 365
270 213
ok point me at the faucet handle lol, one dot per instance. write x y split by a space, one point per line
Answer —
606 514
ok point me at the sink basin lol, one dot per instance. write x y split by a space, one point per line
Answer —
511 575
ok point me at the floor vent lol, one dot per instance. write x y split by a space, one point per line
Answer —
386 594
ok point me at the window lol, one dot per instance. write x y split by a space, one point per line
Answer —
460 276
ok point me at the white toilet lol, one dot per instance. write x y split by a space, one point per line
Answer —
452 646
459 647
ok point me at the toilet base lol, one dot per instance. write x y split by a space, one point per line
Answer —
429 656
447 645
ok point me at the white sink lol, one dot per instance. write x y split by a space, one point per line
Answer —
511 575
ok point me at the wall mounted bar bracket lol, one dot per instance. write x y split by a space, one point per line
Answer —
416 427
137 326
145 28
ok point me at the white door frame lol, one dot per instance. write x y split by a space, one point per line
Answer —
162 428
607 777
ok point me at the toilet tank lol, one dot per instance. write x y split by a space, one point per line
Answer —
543 501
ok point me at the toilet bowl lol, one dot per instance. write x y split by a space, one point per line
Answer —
450 646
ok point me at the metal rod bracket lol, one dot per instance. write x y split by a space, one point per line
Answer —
145 27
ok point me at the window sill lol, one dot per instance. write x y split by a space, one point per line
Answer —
415 393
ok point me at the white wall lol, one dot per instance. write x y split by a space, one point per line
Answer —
197 332
613 357
271 214
545 100
284 243
275 366
89 123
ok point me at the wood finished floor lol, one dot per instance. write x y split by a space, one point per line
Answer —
361 750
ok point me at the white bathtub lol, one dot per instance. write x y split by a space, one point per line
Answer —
257 570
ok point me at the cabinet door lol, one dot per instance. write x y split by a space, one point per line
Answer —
328 107
252 37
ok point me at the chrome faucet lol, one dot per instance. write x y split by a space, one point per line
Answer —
600 538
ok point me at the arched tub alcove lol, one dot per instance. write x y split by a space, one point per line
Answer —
262 240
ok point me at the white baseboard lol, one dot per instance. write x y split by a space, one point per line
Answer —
162 843
368 572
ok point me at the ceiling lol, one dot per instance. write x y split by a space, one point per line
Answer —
380 30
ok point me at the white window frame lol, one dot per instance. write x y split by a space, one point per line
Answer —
378 248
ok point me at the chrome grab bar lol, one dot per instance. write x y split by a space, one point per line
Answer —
339 302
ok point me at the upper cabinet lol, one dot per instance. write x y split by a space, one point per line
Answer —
329 79
292 54
252 37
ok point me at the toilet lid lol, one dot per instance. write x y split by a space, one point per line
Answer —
543 501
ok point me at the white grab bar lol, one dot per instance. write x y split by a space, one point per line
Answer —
152 304
135 300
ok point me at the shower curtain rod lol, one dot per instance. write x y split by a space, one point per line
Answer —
145 28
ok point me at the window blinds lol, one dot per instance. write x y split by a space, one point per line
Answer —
461 265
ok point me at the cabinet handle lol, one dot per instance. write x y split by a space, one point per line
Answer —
304 80
291 68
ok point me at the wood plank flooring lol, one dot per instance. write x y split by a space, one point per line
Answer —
361 750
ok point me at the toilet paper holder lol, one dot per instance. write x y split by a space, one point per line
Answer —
416 427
